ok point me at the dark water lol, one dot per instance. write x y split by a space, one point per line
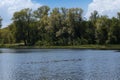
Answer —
59 64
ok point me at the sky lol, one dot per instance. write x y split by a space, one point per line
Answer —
104 7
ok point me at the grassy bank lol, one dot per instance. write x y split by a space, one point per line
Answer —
110 47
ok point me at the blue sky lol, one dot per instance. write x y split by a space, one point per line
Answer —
66 3
104 7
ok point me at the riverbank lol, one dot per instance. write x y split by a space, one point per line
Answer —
107 47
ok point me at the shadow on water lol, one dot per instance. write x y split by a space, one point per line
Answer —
48 72
54 61
15 51
45 73
118 51
60 64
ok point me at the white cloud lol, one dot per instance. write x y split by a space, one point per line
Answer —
8 7
104 7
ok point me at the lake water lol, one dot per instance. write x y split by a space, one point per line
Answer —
59 64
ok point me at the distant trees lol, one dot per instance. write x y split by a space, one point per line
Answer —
0 29
61 26
42 18
114 31
102 29
0 21
25 25
6 37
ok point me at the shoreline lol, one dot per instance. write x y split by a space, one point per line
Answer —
99 47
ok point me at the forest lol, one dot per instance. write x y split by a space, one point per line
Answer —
60 27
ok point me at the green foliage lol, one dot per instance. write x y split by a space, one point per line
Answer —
6 36
60 27
102 28
25 25
0 21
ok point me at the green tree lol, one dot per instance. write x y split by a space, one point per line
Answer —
114 31
89 32
55 24
76 25
0 28
60 26
0 22
42 15
102 28
6 36
94 16
24 22
62 34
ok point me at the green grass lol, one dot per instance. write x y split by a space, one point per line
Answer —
110 47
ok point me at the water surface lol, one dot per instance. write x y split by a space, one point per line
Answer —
59 64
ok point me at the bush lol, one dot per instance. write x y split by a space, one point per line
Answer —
42 43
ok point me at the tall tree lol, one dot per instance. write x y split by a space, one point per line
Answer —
62 33
102 28
23 21
0 28
118 15
92 20
55 23
94 16
75 21
0 22
60 26
114 31
42 15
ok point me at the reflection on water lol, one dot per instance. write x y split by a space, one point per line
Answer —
59 64
5 50
52 61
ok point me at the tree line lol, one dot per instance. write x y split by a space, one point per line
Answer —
61 27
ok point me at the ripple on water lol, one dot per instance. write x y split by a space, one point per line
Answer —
60 65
